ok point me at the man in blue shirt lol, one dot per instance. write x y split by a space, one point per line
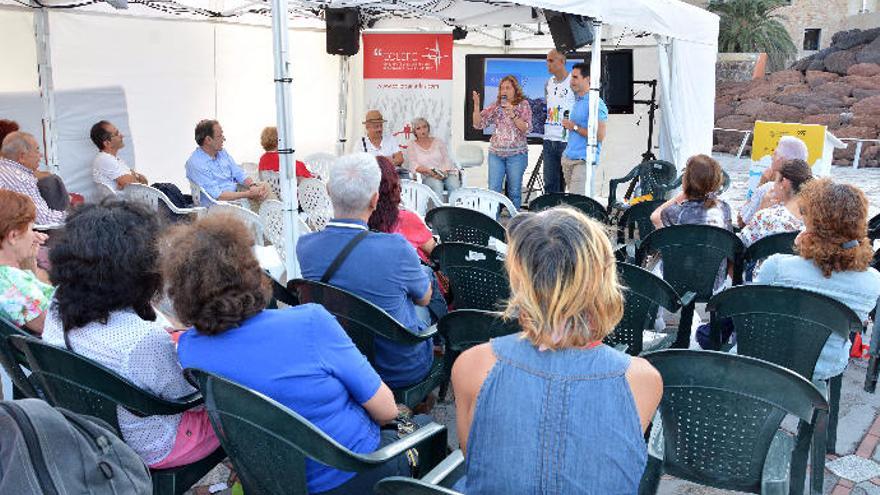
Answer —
574 157
382 268
211 167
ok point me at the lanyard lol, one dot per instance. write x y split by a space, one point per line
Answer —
344 225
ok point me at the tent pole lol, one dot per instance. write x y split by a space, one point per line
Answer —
593 123
47 87
284 122
343 104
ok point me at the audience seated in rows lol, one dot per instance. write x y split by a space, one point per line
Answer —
834 257
788 148
211 167
105 270
19 161
382 268
552 409
24 297
298 356
785 214
269 159
108 168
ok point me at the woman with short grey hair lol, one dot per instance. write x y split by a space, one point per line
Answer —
427 155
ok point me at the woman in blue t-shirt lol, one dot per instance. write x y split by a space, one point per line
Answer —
298 356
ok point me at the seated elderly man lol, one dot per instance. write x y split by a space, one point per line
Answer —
211 167
108 168
376 142
788 148
19 161
382 268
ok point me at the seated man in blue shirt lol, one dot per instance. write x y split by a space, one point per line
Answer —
382 268
211 167
574 167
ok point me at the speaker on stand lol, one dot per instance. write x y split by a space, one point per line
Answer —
343 30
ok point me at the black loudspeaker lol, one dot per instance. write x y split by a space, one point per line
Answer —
343 31
569 31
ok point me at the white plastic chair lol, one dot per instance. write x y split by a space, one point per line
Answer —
418 197
150 196
197 191
468 155
273 179
273 224
319 164
313 197
251 219
483 200
104 191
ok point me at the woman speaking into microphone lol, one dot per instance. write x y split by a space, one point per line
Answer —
508 148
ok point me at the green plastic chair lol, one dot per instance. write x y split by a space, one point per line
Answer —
464 328
436 482
14 362
782 243
83 386
454 224
645 293
692 255
364 322
874 227
268 443
586 204
788 327
873 352
721 416
637 217
652 177
477 276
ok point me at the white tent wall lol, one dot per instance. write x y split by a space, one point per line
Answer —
19 65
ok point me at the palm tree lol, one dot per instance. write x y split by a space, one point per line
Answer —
753 26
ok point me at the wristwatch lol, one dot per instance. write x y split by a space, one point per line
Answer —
575 128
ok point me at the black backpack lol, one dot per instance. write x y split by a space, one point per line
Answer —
47 451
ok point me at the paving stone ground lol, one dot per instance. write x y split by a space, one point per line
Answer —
856 467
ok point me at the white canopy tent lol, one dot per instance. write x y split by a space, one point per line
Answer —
686 38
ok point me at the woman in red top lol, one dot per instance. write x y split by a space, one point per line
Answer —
269 160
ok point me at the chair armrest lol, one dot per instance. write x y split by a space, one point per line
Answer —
776 475
198 210
442 471
167 407
621 347
404 444
687 298
48 226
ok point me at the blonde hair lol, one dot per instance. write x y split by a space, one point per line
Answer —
563 278
269 139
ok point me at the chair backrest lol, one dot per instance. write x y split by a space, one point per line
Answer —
721 411
362 320
81 385
485 201
783 325
874 227
273 224
586 204
476 274
12 360
272 178
104 191
146 195
251 219
468 155
196 192
644 294
692 255
319 165
782 243
267 443
418 197
454 224
637 216
465 328
314 200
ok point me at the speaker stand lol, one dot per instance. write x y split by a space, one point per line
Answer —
536 178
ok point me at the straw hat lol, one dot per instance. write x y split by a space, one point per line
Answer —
374 116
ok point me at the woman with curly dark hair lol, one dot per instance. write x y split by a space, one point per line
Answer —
104 268
833 259
390 218
299 356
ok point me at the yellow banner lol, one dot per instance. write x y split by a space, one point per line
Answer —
767 134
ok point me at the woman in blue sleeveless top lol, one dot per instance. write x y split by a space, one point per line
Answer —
551 410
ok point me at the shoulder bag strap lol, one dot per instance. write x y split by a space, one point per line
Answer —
340 258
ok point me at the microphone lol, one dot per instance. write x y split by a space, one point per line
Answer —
565 114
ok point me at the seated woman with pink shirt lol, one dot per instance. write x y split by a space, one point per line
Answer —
427 155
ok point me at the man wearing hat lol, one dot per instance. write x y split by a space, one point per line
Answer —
376 143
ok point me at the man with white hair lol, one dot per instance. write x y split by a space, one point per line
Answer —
788 148
382 268
19 161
